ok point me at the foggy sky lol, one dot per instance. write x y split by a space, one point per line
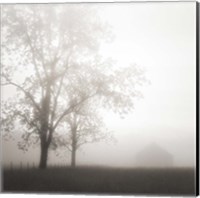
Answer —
160 37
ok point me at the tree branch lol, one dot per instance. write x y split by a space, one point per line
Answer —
29 122
59 89
33 54
23 90
69 109
68 147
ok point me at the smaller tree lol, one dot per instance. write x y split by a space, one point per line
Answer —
82 126
97 85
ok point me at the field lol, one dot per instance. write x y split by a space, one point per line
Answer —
98 180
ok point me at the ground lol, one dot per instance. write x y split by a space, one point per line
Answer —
98 180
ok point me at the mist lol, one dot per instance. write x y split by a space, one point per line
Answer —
163 45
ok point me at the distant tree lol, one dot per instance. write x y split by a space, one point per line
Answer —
50 55
103 86
82 127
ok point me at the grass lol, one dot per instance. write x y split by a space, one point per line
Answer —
97 180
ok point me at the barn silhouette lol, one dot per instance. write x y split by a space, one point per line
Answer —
153 155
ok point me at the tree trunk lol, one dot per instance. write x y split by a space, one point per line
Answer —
44 136
73 159
73 156
43 156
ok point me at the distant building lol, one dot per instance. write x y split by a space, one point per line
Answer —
154 156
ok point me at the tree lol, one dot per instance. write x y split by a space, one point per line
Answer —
39 45
50 55
103 86
82 126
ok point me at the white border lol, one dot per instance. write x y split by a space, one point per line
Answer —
77 196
